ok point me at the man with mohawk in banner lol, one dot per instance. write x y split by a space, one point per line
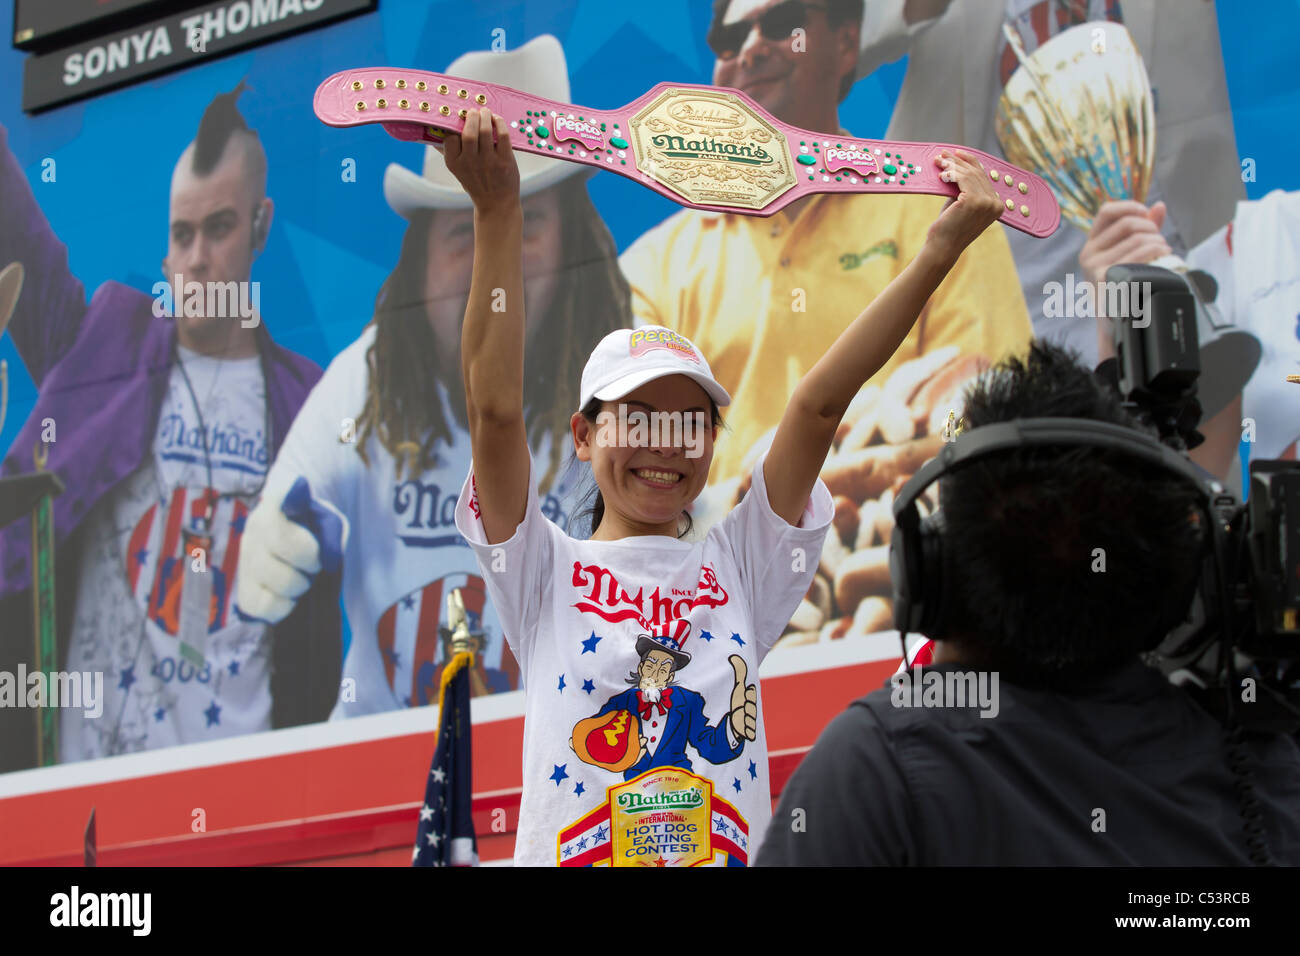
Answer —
166 427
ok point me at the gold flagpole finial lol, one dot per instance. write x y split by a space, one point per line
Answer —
458 623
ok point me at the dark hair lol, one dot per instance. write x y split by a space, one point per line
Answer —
1021 531
402 405
221 122
838 13
596 510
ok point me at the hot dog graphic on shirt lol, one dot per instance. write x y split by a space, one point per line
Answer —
651 723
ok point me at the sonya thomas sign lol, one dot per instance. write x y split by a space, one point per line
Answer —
169 43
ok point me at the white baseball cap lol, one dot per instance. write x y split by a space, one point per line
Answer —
626 359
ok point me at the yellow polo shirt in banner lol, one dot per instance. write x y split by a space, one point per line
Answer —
734 286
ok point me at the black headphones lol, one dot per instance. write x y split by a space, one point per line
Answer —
917 563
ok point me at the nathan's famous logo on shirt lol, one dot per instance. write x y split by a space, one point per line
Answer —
688 799
229 446
426 514
665 817
602 594
647 340
589 135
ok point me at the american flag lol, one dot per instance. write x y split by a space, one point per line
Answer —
445 836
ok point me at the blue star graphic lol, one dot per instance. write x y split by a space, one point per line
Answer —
582 844
237 523
159 714
588 686
390 654
706 635
753 771
578 790
590 643
142 555
213 713
736 784
127 678
601 834
233 668
408 602
720 824
559 774
737 639
568 850
561 683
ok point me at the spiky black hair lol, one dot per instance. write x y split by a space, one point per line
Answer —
221 120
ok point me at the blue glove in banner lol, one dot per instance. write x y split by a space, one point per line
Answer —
325 524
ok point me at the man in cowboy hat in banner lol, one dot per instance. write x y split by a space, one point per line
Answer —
394 467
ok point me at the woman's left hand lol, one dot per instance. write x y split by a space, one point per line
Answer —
973 210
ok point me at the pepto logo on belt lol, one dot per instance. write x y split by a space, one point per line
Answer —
588 135
860 161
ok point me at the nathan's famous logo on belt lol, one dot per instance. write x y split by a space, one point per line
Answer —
712 148
585 133
649 339
665 817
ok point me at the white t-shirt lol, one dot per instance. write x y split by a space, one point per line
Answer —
404 555
128 606
574 612
1256 261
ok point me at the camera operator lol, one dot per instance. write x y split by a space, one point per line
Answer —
1059 566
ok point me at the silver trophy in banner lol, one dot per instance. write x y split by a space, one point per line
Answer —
1079 112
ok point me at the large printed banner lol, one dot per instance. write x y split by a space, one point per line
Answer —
214 301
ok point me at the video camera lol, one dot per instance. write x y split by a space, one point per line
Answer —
1239 651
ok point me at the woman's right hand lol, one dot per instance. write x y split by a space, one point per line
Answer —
485 169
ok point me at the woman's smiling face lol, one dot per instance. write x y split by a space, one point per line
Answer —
650 453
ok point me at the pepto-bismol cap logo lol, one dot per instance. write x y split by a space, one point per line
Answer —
647 340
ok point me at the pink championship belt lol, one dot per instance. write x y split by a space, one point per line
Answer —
701 146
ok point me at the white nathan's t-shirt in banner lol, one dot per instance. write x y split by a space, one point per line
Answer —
404 555
136 549
1256 262
636 653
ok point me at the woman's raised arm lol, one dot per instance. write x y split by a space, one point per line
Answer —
492 338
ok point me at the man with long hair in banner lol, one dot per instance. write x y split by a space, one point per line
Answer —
382 439
161 429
